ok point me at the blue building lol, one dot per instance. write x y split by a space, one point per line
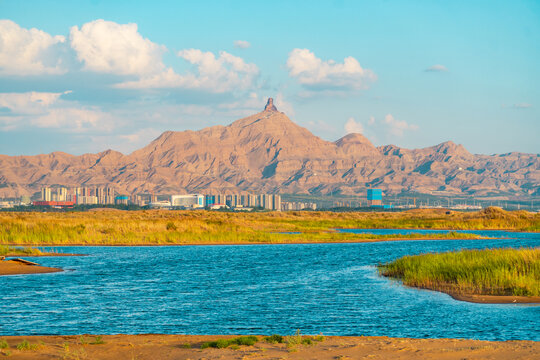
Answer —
374 197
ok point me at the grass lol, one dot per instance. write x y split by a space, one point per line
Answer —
17 250
274 339
98 341
25 345
224 343
4 344
483 272
206 227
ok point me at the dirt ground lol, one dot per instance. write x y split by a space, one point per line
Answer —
189 347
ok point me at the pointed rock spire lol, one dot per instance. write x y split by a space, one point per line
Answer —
270 105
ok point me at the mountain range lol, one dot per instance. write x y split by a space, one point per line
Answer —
269 153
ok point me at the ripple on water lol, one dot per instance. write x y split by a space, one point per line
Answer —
330 288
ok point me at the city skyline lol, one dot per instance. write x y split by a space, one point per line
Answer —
413 74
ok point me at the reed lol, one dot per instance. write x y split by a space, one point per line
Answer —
17 250
483 272
207 227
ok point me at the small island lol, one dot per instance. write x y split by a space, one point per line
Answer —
481 276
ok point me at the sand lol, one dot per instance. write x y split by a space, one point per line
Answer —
497 299
11 267
344 348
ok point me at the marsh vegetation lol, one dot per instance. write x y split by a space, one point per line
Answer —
207 227
483 272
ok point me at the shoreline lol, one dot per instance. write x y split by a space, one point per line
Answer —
495 299
40 255
246 243
484 299
158 346
12 267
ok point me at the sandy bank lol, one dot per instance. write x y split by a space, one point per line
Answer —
492 299
11 267
189 347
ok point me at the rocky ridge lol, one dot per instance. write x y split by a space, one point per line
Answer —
267 152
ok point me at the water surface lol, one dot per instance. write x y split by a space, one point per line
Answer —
253 289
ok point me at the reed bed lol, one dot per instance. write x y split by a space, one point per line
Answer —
205 227
18 250
469 272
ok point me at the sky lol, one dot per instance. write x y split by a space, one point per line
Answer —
87 76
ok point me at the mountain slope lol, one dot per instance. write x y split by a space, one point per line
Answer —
267 152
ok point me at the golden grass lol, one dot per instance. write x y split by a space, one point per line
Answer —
482 272
205 227
16 250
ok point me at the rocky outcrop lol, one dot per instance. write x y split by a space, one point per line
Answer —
267 152
270 105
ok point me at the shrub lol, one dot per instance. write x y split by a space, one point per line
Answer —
98 341
294 339
25 345
223 343
274 339
171 226
4 344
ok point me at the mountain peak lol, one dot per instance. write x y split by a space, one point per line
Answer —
270 105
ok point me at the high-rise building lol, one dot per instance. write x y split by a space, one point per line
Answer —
46 194
61 194
276 199
374 197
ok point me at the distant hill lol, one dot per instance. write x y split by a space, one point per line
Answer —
267 152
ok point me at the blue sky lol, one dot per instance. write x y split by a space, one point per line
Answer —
87 76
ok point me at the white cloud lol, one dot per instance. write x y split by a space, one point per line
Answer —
522 105
28 51
213 74
371 120
47 110
398 127
223 73
315 73
353 127
29 102
141 137
73 119
108 47
241 44
437 68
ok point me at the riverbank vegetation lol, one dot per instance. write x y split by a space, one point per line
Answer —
115 227
499 272
6 250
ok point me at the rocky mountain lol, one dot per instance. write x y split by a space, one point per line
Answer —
267 152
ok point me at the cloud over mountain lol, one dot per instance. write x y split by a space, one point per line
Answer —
316 74
29 51
108 47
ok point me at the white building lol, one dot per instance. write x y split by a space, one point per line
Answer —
188 201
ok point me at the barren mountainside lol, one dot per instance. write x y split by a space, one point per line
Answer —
267 152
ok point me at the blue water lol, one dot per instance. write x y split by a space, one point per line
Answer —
252 289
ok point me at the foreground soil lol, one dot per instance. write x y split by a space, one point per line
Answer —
333 347
11 267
